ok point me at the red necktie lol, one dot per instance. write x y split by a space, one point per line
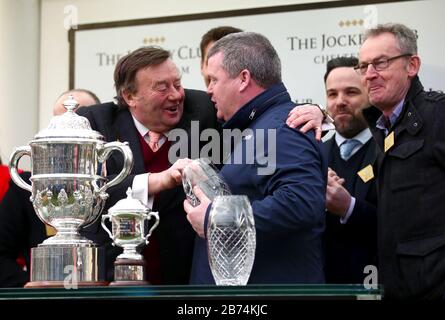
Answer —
153 140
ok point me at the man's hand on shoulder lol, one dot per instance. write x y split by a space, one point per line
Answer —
310 116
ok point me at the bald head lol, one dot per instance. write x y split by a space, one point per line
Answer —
83 97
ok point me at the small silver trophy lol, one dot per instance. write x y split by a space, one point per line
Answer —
202 173
68 193
128 217
231 240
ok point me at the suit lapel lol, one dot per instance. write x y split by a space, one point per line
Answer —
125 130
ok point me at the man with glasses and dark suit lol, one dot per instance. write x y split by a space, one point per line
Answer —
407 124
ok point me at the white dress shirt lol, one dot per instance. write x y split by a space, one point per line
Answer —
140 181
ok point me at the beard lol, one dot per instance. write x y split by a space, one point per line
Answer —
351 128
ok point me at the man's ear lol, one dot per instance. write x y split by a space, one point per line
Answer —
128 97
245 79
413 66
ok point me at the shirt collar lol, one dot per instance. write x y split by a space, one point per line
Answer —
363 137
143 130
380 124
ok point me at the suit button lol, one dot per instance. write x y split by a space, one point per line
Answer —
409 114
415 124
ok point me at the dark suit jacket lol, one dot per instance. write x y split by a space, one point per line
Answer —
20 230
174 233
411 193
352 246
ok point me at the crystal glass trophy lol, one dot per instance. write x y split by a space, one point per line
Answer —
202 173
231 240
68 191
128 217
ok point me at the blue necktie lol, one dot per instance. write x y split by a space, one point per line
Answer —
347 147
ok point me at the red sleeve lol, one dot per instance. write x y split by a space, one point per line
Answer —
4 180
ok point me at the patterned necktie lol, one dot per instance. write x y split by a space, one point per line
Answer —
347 147
153 140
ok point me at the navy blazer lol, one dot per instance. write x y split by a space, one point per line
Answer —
287 194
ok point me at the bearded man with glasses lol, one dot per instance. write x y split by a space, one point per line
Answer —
407 124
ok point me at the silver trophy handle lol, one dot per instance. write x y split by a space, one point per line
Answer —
105 151
14 162
148 218
104 218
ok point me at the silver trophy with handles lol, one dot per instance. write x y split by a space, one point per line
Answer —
129 231
68 191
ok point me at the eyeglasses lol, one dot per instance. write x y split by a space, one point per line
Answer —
378 65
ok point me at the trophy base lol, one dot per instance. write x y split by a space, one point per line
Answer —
67 266
129 283
61 284
129 272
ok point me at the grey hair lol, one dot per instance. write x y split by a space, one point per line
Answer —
251 51
406 38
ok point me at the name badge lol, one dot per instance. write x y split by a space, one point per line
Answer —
389 141
366 173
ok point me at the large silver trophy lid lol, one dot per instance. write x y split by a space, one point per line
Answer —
69 124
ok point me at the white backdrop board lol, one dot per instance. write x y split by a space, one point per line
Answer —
305 36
